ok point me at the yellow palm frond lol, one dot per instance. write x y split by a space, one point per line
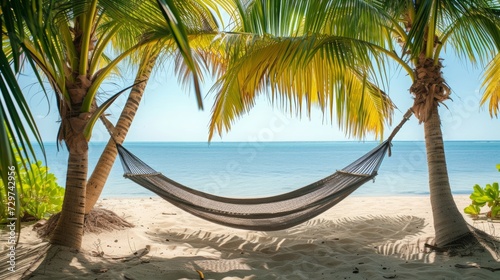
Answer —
491 85
299 74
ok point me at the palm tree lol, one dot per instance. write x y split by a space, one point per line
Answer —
200 28
306 53
72 56
99 176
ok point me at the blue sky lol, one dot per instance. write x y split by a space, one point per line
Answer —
169 112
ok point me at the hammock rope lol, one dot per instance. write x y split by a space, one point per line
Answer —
265 213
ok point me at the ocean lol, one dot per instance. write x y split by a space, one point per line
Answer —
255 169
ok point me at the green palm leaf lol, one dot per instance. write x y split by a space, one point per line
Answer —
173 19
15 117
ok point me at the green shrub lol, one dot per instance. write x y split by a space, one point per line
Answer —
39 194
490 196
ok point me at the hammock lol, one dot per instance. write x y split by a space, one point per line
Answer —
267 213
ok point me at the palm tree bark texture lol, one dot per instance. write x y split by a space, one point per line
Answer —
68 231
429 90
101 172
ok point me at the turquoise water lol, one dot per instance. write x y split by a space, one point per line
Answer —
250 169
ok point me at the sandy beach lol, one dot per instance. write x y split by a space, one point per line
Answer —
360 238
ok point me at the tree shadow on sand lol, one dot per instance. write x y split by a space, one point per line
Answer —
479 242
365 246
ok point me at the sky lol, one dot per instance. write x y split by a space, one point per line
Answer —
168 112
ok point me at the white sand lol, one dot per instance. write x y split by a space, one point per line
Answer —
360 238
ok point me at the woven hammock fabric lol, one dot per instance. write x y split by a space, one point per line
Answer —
263 214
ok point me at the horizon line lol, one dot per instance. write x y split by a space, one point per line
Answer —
280 141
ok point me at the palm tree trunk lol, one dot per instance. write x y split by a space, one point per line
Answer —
449 223
101 172
429 90
69 229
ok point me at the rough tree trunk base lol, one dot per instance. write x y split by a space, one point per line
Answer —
98 220
474 241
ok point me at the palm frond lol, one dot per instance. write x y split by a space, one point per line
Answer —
89 127
297 18
136 31
299 73
166 20
418 33
491 86
15 117
371 24
172 17
473 35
